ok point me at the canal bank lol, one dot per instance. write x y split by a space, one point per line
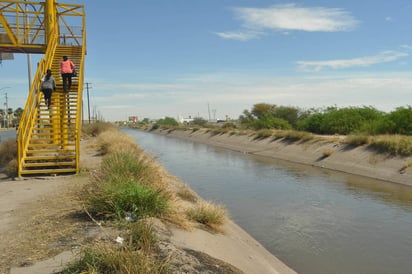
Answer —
50 204
327 152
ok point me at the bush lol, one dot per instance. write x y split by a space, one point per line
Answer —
199 121
269 122
167 121
401 119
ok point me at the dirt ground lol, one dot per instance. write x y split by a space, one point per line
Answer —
43 225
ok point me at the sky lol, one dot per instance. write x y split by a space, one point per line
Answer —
217 58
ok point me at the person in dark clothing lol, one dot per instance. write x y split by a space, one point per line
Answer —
48 85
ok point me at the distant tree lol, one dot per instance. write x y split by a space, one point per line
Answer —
199 121
262 109
167 121
402 120
18 112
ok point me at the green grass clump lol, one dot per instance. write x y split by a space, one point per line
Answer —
117 199
124 166
125 186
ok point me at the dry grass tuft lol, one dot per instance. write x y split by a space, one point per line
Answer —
114 140
327 153
8 152
187 194
211 215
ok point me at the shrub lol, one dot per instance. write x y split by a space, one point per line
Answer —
269 122
167 121
401 119
199 121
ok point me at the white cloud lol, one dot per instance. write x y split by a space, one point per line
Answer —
408 47
383 57
291 18
242 36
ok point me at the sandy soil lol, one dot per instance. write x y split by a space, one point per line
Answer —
43 226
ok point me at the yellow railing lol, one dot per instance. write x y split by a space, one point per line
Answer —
33 100
22 26
80 96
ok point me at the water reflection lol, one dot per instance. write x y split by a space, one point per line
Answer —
315 220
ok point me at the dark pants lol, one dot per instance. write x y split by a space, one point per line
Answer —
67 81
47 96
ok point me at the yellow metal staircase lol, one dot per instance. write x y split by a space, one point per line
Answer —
48 139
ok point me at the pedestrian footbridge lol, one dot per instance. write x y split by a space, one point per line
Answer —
48 139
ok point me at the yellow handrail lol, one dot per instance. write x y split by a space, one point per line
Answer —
80 95
33 100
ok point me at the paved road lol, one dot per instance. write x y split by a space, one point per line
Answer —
6 134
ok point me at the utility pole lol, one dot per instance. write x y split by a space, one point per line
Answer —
6 114
208 110
88 101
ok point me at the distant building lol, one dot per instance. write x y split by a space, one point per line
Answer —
182 120
133 119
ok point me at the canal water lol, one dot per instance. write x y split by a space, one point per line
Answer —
7 134
314 220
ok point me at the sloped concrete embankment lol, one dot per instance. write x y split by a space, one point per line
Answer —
360 160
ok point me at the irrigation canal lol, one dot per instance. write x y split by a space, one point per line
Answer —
316 221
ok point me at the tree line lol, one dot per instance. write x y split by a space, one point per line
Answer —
329 120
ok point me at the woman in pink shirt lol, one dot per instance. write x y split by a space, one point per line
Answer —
66 69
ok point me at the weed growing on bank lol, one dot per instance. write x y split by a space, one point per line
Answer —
357 140
97 128
393 144
111 259
293 135
211 215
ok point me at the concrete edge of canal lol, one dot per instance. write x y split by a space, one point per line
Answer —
353 160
